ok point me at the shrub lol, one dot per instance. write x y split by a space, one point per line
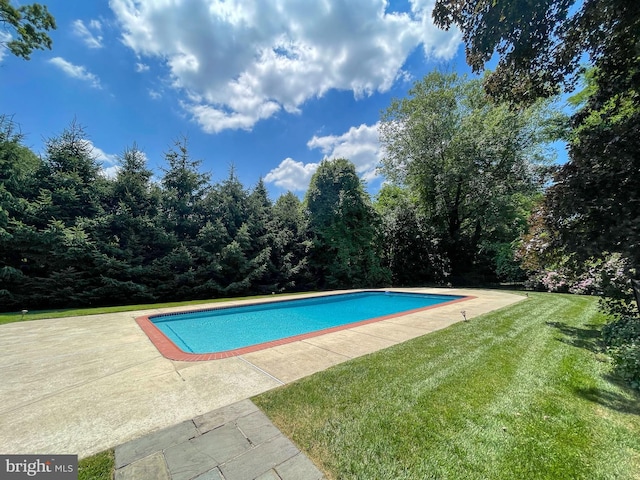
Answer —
626 361
617 293
622 331
507 266
607 276
622 340
555 281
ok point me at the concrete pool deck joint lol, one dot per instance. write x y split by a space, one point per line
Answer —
171 351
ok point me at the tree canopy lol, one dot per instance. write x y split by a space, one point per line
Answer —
541 44
594 203
342 226
592 208
468 161
30 23
71 236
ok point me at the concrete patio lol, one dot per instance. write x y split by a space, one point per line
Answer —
80 385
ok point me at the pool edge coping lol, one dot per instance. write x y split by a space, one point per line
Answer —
171 351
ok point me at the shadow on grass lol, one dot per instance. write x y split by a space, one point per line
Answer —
587 338
629 403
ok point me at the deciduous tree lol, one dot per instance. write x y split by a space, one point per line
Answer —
467 161
409 246
541 44
594 203
30 23
542 47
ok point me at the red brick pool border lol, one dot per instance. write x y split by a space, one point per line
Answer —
169 350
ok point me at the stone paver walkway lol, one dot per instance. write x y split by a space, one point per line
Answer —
236 442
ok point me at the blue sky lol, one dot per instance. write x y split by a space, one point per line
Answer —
271 88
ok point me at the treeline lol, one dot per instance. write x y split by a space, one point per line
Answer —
70 236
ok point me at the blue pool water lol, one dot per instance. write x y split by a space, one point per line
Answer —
230 328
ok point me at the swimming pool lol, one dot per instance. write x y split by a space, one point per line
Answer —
226 331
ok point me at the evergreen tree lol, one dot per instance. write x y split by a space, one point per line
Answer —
129 235
343 228
291 244
184 189
72 185
132 189
260 224
211 239
18 187
243 221
133 220
56 253
229 202
226 236
18 173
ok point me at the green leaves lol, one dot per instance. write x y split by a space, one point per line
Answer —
343 228
593 204
537 45
30 23
466 161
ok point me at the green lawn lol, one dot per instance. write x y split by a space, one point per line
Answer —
97 467
10 317
521 393
517 394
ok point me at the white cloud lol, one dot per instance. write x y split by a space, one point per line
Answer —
360 145
76 71
141 67
4 38
436 43
92 39
241 61
292 175
110 172
109 161
101 156
154 94
214 120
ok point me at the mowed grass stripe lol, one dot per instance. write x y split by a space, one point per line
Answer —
547 434
477 412
519 393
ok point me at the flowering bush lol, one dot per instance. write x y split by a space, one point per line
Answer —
555 281
616 289
607 276
585 286
589 281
